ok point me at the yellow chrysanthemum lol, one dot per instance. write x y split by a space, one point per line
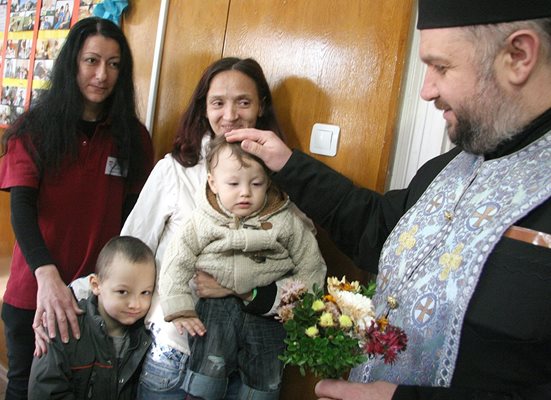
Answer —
318 305
326 320
345 322
312 331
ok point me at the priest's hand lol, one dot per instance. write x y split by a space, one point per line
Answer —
330 389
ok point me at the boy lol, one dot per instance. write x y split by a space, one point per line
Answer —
244 233
105 362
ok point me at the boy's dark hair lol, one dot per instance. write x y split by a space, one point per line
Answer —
131 248
218 143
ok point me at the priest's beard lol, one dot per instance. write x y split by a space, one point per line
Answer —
487 119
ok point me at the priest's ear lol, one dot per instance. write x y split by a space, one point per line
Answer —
521 55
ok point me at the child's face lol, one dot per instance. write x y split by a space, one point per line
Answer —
124 296
241 189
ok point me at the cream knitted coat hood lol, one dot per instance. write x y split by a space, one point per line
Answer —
240 254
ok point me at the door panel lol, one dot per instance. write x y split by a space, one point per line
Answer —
337 62
194 39
140 27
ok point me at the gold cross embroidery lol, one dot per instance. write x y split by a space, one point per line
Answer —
450 261
407 240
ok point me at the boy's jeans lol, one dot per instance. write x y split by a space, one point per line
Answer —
235 340
163 372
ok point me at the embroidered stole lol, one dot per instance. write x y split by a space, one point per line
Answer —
432 260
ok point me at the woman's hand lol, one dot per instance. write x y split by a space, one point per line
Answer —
56 304
329 389
264 144
41 338
206 286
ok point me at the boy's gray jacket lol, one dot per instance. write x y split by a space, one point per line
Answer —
88 368
241 254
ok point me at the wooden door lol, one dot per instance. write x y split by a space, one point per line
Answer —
336 62
194 38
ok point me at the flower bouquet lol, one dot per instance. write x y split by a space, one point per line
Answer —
330 333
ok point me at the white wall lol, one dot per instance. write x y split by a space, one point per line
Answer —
421 131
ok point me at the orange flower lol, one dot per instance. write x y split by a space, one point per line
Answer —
329 298
346 286
382 323
342 285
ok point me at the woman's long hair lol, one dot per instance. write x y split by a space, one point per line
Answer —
51 123
194 124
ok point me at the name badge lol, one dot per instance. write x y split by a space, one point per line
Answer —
113 168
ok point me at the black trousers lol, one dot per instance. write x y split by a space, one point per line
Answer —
20 343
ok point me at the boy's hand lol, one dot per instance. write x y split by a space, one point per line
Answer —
192 325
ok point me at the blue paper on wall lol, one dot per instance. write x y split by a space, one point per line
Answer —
111 10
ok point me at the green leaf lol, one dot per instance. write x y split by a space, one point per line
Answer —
369 290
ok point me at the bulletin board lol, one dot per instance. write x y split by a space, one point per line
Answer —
31 35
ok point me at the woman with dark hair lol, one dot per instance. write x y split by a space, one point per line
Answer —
232 93
194 125
74 165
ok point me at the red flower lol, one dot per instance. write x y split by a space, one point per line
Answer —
387 343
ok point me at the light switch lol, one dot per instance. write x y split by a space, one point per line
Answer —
324 139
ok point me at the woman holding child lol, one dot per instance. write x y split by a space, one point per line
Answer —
232 93
244 233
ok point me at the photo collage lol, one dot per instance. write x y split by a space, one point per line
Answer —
31 35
